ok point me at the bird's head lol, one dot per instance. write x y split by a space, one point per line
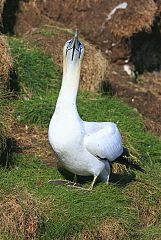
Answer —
73 51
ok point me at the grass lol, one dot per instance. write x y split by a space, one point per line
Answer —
129 207
70 210
47 31
36 71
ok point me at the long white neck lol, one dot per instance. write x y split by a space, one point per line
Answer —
69 88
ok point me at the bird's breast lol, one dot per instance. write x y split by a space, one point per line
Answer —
65 133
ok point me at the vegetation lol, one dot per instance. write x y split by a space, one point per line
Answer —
5 68
129 208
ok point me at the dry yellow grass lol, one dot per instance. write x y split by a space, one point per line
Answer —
134 156
110 229
19 215
95 68
5 60
136 17
143 199
5 118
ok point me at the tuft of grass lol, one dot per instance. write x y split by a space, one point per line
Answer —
5 61
47 31
36 71
5 131
36 111
5 117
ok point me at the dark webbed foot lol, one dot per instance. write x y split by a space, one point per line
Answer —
64 182
59 182
78 187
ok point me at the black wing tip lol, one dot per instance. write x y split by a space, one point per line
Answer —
137 167
124 160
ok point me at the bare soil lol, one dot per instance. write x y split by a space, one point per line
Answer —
32 141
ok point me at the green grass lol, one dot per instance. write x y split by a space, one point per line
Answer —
132 199
47 31
72 211
36 72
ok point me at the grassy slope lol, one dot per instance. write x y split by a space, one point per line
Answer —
134 200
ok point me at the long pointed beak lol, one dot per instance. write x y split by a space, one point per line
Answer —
75 44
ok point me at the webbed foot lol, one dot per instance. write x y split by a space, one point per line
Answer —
78 186
64 182
60 182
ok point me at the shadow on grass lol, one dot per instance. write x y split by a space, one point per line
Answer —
119 179
70 176
122 179
7 153
14 85
105 88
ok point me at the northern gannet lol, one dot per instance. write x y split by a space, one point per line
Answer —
84 148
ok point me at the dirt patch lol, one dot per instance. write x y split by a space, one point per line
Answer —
143 95
32 140
133 16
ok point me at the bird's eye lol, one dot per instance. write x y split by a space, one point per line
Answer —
80 46
68 43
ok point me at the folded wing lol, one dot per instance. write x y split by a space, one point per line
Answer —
105 142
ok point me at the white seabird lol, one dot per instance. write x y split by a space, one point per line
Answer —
84 148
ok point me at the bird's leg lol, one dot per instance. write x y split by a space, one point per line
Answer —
93 182
84 189
74 183
65 182
105 174
75 179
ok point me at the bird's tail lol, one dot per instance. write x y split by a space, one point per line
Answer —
124 159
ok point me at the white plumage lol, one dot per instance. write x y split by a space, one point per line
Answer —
105 143
84 148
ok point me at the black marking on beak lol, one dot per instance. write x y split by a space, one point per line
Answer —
74 45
